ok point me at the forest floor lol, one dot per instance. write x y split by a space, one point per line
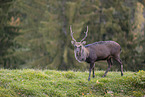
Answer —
52 83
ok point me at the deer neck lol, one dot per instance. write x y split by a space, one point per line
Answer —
85 52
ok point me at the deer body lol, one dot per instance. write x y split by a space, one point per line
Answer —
102 50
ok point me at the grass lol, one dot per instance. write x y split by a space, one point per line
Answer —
51 83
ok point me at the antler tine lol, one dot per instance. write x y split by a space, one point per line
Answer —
72 34
85 35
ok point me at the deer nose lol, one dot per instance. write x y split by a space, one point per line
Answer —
77 52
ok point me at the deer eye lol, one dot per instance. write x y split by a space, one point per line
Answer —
75 46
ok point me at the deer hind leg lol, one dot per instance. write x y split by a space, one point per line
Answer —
109 66
120 62
93 70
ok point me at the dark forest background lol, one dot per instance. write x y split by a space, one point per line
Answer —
35 33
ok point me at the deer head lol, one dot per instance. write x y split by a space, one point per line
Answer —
79 50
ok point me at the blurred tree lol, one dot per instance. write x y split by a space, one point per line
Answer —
8 31
32 47
138 34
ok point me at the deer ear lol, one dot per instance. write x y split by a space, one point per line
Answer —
73 42
84 42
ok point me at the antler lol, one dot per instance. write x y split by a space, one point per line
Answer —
85 35
72 34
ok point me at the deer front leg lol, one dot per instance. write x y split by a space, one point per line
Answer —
90 69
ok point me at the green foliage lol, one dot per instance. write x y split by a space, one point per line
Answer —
28 82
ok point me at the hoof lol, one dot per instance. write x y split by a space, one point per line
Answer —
93 76
121 74
104 76
89 79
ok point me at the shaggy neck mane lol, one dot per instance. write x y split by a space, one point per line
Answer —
85 52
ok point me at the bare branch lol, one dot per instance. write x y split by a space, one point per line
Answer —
72 34
85 35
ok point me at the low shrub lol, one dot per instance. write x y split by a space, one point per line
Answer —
138 79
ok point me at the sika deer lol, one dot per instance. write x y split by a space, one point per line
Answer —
102 50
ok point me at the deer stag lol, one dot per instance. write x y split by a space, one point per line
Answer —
102 50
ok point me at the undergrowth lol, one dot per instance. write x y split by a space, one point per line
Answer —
43 83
